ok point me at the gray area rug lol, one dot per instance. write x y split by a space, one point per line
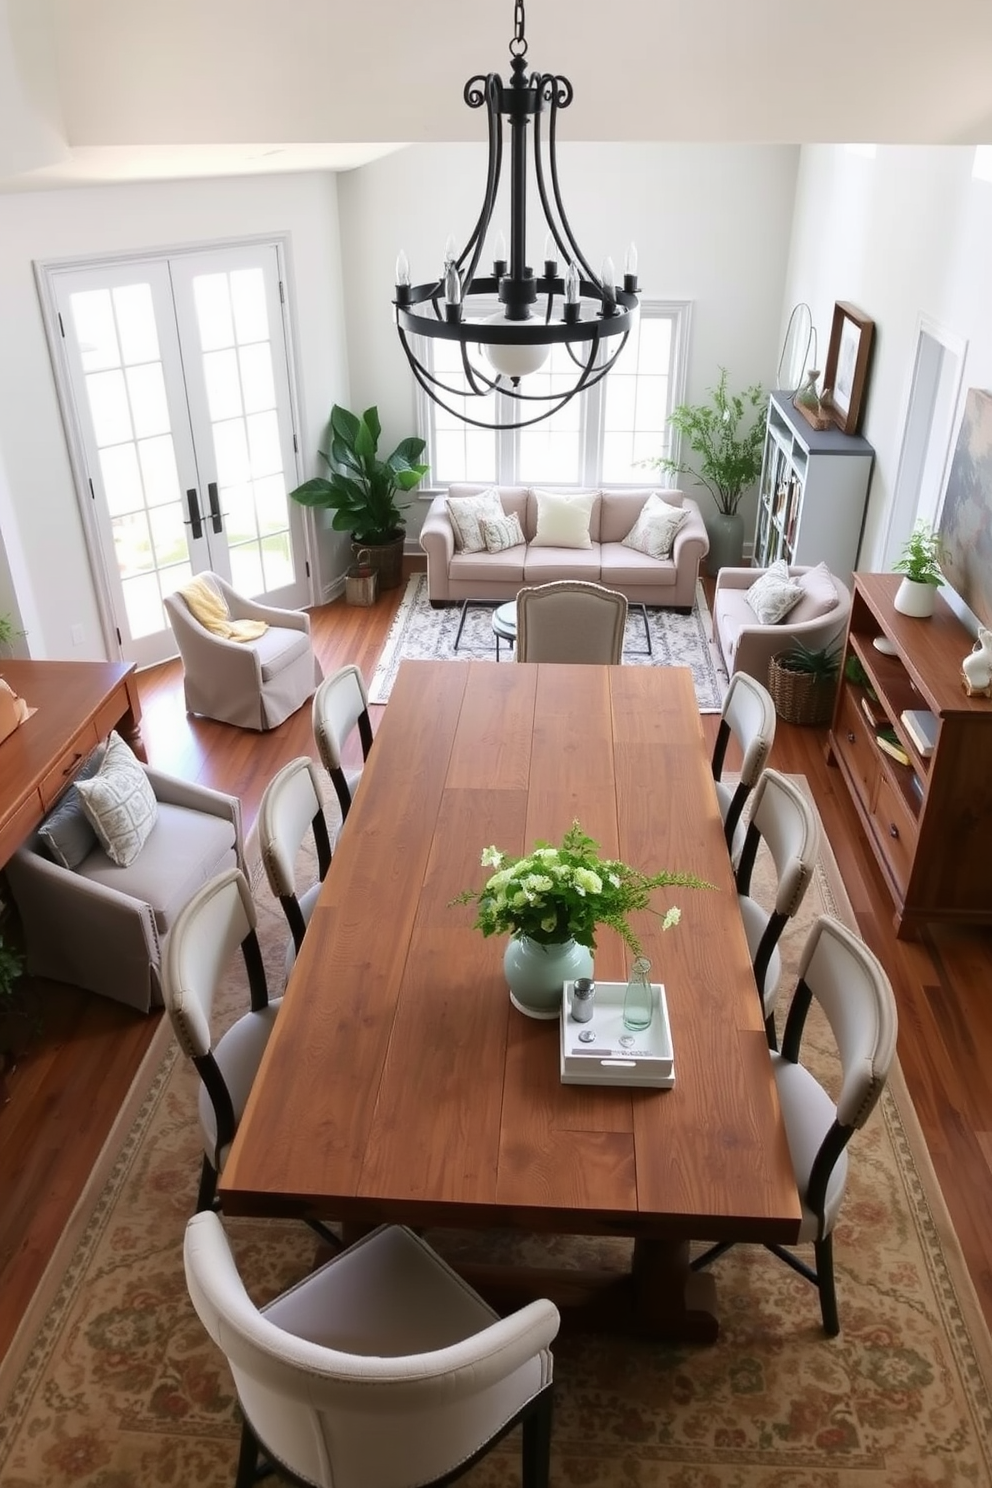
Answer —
419 633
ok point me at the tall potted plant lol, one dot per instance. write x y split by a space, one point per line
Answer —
726 435
362 489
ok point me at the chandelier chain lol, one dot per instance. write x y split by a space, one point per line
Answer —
518 46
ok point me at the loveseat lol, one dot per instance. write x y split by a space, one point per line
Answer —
746 644
454 575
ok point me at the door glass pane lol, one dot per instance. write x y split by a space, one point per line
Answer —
121 478
270 504
132 544
231 453
251 318
168 534
263 444
143 604
135 315
238 505
108 407
158 470
149 409
246 569
213 311
257 384
277 561
93 319
220 373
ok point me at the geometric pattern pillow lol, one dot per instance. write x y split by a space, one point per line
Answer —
502 533
654 531
467 513
773 595
120 803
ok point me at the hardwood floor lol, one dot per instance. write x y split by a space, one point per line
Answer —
72 1078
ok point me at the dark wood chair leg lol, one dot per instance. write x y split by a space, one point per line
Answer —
824 1252
537 1441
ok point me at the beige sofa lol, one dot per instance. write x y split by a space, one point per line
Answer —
671 582
748 646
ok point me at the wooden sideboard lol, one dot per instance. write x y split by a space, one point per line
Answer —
77 703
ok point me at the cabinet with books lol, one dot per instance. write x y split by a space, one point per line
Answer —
916 756
812 492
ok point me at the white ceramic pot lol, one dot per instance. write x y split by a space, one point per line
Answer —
915 599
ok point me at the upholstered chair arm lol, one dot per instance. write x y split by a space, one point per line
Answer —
737 578
201 649
241 608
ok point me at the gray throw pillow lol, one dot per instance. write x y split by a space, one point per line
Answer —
66 833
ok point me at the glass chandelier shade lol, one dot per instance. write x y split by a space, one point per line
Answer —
577 308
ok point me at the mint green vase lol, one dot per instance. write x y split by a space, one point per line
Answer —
535 973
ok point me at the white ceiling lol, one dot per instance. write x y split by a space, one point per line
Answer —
123 90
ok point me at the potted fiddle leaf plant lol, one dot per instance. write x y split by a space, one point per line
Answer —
919 563
363 490
726 435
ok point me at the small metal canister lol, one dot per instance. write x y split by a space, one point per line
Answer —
583 997
361 580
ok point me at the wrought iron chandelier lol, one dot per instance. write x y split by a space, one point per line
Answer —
585 312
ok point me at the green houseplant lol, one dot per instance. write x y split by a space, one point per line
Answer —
726 435
363 490
919 563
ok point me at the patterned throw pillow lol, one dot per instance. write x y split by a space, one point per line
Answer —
563 521
654 531
502 533
773 595
120 803
467 513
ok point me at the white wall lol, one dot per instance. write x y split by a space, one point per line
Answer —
49 574
712 224
905 234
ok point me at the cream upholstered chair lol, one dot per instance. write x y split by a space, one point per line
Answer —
291 806
747 716
340 705
251 684
848 981
106 928
571 620
784 820
383 1369
746 645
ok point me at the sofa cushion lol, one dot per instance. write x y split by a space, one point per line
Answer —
502 533
625 568
545 565
184 849
563 519
773 595
819 595
278 648
467 513
67 834
654 531
119 802
488 568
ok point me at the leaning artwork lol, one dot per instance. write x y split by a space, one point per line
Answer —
966 518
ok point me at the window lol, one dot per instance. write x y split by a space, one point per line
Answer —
598 438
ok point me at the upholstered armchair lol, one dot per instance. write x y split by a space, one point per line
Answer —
746 645
252 684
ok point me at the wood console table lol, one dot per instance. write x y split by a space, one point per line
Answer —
78 703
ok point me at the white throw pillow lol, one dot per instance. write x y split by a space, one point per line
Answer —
563 521
654 531
819 594
467 513
773 595
120 803
502 533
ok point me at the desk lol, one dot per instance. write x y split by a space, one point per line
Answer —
400 1084
78 703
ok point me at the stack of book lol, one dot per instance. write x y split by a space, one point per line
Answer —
888 740
921 726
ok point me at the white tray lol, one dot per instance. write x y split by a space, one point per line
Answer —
604 1060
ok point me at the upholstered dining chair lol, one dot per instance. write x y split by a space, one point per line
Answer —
253 684
748 717
382 1369
784 820
340 705
290 807
848 981
571 620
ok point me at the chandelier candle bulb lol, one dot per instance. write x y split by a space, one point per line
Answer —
550 256
630 269
499 255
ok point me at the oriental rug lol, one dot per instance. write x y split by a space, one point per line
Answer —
114 1384
419 633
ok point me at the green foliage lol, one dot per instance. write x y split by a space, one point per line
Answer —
920 557
362 489
727 435
562 893
822 663
8 630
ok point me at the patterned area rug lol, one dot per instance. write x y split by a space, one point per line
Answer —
114 1384
419 633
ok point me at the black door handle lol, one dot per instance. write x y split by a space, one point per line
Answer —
214 500
195 520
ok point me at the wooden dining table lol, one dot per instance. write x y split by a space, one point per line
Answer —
401 1085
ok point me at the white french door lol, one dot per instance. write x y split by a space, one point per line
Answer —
179 376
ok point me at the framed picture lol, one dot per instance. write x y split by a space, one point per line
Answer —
845 376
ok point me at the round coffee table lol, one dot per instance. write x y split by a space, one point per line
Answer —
505 624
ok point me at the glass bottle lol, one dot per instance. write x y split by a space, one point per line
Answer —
637 1003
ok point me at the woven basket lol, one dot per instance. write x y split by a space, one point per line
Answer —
800 697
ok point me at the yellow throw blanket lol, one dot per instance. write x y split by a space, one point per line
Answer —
209 608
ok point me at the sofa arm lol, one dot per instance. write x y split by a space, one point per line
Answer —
437 540
175 792
737 578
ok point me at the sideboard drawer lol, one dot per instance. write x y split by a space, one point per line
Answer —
62 772
854 743
896 827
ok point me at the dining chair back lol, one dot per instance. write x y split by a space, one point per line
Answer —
784 820
747 717
218 920
290 808
846 979
571 620
340 705
382 1369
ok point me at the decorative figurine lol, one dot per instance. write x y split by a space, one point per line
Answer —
976 669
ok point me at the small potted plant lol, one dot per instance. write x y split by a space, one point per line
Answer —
919 563
362 489
803 683
727 436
